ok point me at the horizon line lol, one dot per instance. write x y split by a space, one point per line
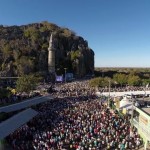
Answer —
120 67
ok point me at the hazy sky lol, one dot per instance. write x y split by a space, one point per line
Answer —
117 30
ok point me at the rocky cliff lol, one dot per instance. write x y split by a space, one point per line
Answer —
23 50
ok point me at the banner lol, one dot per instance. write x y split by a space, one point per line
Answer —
59 78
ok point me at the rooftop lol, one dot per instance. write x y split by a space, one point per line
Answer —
143 99
147 110
13 123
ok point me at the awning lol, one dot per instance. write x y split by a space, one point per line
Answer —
13 123
25 104
125 103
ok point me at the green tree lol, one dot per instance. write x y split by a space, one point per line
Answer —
121 79
134 80
67 33
49 26
7 51
32 33
4 92
25 65
44 46
16 54
26 83
94 82
145 82
99 82
74 55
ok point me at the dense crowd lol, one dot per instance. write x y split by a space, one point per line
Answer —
68 89
75 120
74 89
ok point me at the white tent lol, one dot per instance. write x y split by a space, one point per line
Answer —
125 103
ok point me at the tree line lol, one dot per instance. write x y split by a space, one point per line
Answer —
120 80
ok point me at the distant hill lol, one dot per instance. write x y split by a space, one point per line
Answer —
23 50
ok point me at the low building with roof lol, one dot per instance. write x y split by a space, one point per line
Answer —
141 120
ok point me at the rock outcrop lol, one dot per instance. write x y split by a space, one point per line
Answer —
24 48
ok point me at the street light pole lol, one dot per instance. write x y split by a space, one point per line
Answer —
144 89
131 131
109 94
65 74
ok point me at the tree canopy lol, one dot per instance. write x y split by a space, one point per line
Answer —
99 82
75 55
26 83
134 80
121 79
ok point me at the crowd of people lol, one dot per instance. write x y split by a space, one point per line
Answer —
74 89
68 89
75 120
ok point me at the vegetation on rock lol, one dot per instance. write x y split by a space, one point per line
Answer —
23 50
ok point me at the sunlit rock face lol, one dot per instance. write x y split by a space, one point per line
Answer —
24 50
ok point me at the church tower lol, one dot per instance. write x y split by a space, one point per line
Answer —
51 56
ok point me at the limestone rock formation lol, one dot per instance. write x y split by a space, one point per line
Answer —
24 48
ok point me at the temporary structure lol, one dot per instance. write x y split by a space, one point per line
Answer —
13 123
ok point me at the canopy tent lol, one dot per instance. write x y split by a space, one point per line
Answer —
125 103
13 123
126 106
